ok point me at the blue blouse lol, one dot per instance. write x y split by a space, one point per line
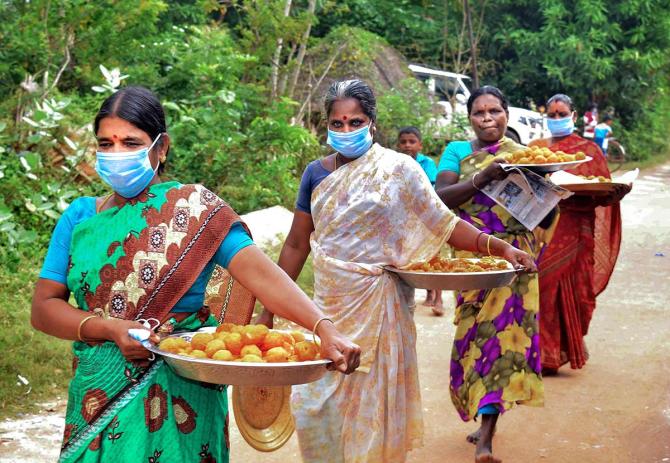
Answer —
452 156
313 175
81 209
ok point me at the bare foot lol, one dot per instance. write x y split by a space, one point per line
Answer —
473 438
484 452
438 310
430 298
486 457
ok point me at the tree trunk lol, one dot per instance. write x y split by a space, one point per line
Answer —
473 46
311 7
274 75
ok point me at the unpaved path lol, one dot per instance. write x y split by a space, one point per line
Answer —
616 409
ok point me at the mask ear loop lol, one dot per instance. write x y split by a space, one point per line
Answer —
149 151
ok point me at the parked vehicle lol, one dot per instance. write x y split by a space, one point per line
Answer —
451 92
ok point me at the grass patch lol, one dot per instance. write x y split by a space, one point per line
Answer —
43 360
647 163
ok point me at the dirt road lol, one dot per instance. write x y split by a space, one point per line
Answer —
616 409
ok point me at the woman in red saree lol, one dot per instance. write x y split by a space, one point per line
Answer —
576 266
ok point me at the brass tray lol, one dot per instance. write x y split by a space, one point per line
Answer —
241 373
263 415
553 167
456 280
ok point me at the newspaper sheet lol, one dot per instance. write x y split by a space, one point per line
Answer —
527 196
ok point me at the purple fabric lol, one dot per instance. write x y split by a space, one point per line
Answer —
490 353
512 311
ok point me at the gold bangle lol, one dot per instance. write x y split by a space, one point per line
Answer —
473 181
81 324
488 245
316 326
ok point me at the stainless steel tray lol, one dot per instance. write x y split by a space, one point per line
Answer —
240 373
553 167
455 281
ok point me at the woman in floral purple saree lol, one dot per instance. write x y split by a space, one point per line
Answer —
495 361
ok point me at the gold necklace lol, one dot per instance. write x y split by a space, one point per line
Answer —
104 201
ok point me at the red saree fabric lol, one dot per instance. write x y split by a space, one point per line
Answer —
577 264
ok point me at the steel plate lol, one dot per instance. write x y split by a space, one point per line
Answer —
456 281
553 167
239 373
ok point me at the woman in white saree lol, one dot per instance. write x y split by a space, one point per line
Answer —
358 210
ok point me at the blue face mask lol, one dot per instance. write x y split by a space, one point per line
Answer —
127 173
561 127
351 145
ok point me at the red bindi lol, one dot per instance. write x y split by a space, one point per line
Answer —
115 137
344 118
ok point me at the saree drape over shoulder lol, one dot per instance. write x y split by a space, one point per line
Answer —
577 264
377 210
495 359
136 262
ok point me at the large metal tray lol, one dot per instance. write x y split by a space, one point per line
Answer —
239 373
592 188
456 281
548 168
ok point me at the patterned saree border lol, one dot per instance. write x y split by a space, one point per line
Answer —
179 260
96 427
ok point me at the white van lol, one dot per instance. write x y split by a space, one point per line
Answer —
451 92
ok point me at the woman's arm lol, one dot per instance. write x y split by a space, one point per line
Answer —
276 290
53 315
293 254
469 238
296 248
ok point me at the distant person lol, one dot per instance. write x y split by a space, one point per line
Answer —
590 120
602 132
410 143
578 263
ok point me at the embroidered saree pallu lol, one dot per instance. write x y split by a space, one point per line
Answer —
136 262
377 210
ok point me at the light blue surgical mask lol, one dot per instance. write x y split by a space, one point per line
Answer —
128 173
351 145
561 127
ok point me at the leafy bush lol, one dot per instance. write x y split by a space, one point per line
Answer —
409 104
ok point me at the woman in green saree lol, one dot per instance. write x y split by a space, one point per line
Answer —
146 253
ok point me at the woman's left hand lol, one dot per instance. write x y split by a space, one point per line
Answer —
520 260
620 190
345 354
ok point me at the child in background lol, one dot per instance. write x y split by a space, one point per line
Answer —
602 132
409 143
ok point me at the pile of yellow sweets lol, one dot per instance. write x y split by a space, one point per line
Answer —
460 265
249 343
537 155
599 178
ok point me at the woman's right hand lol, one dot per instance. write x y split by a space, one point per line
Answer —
265 318
519 259
346 355
493 171
131 349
